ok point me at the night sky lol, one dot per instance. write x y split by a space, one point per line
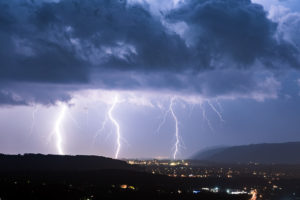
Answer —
220 72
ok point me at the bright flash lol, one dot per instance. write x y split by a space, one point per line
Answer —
33 119
116 124
177 137
58 131
176 128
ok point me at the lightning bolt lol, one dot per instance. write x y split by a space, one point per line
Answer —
219 105
74 120
216 111
163 121
177 142
86 117
33 116
192 106
116 124
177 137
100 129
57 129
206 118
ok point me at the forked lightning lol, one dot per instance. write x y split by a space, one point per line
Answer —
116 124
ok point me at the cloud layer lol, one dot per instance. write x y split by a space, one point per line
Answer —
209 47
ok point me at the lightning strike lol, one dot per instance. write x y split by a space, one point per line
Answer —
33 117
86 111
192 107
219 105
116 124
177 142
102 126
206 118
216 111
100 129
57 129
177 137
74 120
162 122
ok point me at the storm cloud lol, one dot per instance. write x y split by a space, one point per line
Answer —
234 29
207 47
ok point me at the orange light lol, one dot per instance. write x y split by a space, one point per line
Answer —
124 186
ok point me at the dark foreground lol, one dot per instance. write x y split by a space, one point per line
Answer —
103 184
43 177
89 177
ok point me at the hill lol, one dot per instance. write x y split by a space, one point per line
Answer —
47 177
276 153
208 152
57 162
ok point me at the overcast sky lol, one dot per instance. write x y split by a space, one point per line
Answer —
72 71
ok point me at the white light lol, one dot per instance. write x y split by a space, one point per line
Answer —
176 128
216 111
177 138
33 120
57 129
116 124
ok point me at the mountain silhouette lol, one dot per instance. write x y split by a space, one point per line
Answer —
57 162
276 153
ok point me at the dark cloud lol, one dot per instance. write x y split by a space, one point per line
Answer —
75 44
234 29
32 93
8 98
28 54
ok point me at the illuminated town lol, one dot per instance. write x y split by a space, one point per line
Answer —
265 181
